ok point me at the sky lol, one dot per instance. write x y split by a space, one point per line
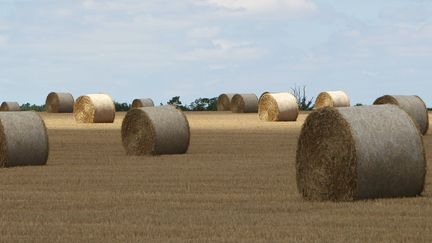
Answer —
202 48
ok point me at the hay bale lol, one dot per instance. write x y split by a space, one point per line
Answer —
244 103
412 104
278 107
354 153
155 130
144 102
10 106
94 108
224 102
332 99
58 102
23 139
264 93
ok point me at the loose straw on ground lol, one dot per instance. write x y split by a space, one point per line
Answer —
354 153
94 108
58 102
244 103
413 105
155 131
332 99
278 107
224 102
23 139
144 102
10 106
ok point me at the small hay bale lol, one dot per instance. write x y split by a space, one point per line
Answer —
355 153
144 102
278 107
155 131
413 105
224 102
58 102
10 106
244 103
332 99
94 108
23 139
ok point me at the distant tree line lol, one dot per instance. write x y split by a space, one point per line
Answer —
201 104
32 107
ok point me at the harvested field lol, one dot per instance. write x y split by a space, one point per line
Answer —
236 183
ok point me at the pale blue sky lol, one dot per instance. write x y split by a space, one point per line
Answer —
201 48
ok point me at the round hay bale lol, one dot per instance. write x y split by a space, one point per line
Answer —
412 104
355 153
332 99
259 99
23 139
94 108
144 102
10 106
244 103
57 102
278 107
224 102
155 130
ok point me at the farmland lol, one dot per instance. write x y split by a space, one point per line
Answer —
236 183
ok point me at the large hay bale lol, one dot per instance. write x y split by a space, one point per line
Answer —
94 108
278 107
354 153
58 102
155 130
144 102
23 139
332 99
244 103
10 106
224 102
412 104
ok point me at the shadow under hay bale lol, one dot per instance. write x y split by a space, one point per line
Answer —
58 102
244 103
94 108
356 153
332 99
224 102
23 139
412 104
144 102
155 131
10 106
278 107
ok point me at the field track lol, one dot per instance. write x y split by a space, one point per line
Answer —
237 183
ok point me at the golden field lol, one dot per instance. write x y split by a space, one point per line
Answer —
236 183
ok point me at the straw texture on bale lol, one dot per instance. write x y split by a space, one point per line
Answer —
23 139
244 103
57 102
94 108
278 107
155 131
355 153
10 106
144 102
332 99
224 102
413 105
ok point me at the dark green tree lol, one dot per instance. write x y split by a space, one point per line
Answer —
175 101
303 102
122 106
29 107
204 104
